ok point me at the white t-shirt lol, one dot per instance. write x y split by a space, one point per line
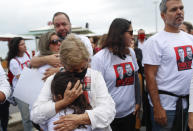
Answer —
49 126
141 45
16 68
191 97
119 83
87 43
165 49
4 84
43 68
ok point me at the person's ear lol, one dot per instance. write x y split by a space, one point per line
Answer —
163 16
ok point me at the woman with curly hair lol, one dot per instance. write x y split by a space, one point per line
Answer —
17 59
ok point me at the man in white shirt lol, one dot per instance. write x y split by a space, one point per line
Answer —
62 27
168 82
141 38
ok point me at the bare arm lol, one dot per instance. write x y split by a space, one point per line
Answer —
2 96
137 94
52 60
72 121
159 112
190 121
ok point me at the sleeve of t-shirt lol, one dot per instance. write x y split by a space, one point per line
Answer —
97 63
134 59
14 67
152 52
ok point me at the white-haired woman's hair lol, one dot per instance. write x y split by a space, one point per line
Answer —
73 52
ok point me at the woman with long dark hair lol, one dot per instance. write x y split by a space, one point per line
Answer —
118 65
17 59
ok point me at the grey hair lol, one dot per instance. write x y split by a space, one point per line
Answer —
162 6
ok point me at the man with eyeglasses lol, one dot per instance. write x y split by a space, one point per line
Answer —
167 83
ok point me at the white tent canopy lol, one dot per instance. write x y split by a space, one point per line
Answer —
8 37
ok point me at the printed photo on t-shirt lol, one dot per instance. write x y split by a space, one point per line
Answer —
86 83
183 57
124 74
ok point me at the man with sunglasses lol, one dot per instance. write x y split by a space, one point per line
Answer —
168 84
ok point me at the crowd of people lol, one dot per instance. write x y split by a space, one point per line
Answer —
104 84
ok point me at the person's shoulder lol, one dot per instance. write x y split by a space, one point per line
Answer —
101 54
132 50
90 70
50 78
14 61
156 40
83 38
156 36
187 35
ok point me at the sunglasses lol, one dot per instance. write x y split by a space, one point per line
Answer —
55 42
130 32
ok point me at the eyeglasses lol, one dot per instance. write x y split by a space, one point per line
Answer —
130 32
55 42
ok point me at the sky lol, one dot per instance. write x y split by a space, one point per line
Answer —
19 16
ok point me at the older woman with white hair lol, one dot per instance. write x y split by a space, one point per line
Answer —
74 58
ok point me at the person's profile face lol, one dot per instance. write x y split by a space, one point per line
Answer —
62 25
128 36
120 71
189 52
128 69
181 53
22 46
